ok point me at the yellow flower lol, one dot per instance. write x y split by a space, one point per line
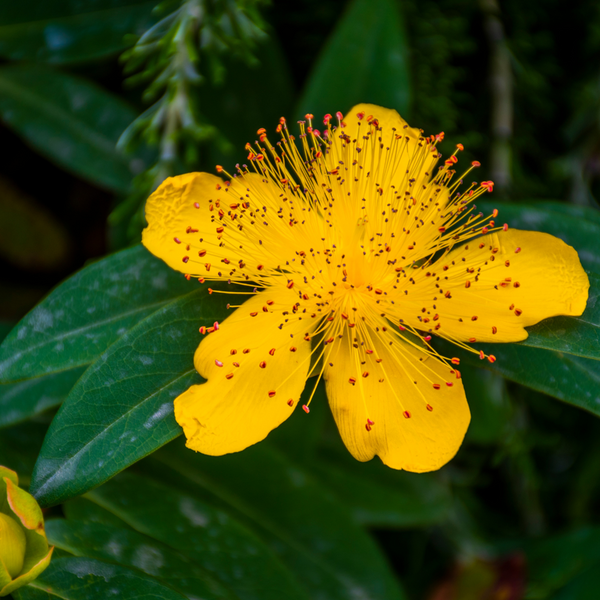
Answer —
24 551
353 253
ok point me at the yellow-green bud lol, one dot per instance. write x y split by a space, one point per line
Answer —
12 545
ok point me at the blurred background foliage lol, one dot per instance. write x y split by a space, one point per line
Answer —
99 102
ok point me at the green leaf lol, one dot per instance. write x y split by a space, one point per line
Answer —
570 378
89 579
20 445
132 549
290 509
24 399
87 313
364 60
83 509
68 31
206 535
584 586
378 496
70 121
122 407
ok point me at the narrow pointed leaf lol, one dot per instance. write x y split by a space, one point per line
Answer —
364 60
122 407
87 313
206 535
72 122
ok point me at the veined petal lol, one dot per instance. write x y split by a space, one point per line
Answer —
518 279
405 433
255 374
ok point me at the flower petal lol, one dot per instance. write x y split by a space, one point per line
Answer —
424 441
520 278
254 369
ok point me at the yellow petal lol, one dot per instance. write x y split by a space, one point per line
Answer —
225 414
388 118
525 277
426 440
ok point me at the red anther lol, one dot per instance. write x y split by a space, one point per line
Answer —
367 427
436 386
185 259
318 154
271 393
316 132
210 291
401 328
265 309
307 338
455 361
245 350
253 314
278 128
344 316
260 267
457 374
467 284
448 294
511 307
293 349
427 338
219 168
441 229
196 205
282 120
460 147
251 156
494 330
454 159
481 355
263 137
305 296
202 330
517 250
177 240
369 351
448 162
270 302
449 383
229 376
476 163
187 276
233 351
406 414
262 364
474 318
220 229
516 284
518 312
484 229
339 115
290 284
472 340
272 351
440 136
309 117
360 115
365 374
326 119
305 408
505 227
488 185
491 358
218 363
352 380
201 279
371 423
495 213
507 263
261 131
259 157
429 407
378 292
290 402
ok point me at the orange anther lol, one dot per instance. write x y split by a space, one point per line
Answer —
436 386
305 408
271 393
262 364
406 414
290 402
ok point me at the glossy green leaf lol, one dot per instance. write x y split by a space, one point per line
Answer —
87 313
20 445
567 377
579 227
206 535
132 549
293 511
364 60
122 407
84 510
22 400
70 121
68 31
89 579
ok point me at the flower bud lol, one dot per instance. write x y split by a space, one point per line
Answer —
12 545
24 551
